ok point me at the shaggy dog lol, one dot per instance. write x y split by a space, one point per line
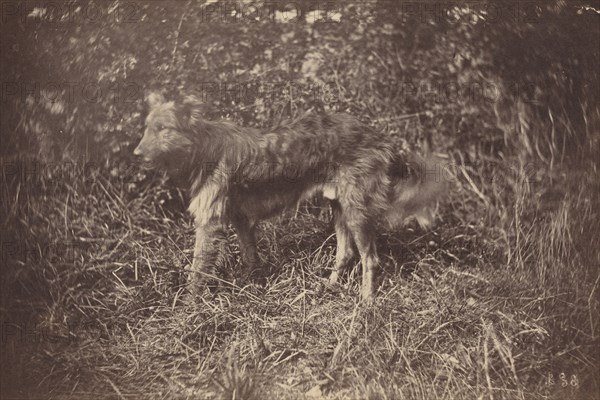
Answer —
240 176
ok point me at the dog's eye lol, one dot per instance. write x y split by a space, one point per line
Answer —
160 127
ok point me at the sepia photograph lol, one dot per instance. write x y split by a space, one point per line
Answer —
300 200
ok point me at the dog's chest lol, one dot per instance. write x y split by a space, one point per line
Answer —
207 204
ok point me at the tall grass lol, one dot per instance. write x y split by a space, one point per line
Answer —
500 300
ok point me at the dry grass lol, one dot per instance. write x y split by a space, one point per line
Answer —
500 300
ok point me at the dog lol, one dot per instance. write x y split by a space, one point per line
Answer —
240 176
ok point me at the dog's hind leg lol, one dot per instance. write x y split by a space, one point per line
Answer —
345 247
364 236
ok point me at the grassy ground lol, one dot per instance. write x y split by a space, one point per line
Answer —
499 300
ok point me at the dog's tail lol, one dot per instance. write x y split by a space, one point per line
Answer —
418 184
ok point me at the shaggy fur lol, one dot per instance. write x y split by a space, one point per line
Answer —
242 175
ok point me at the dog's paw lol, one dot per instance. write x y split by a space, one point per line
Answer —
367 293
256 275
327 286
334 278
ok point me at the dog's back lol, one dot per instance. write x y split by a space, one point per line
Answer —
341 158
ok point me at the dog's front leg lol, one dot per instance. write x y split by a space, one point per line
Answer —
209 255
245 230
365 242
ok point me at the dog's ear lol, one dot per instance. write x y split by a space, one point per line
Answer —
155 99
192 110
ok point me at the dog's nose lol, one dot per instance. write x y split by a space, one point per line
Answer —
137 151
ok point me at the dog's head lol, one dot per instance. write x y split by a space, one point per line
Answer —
167 142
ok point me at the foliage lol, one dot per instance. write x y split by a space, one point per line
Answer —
379 60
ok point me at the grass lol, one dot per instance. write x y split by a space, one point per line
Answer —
499 300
